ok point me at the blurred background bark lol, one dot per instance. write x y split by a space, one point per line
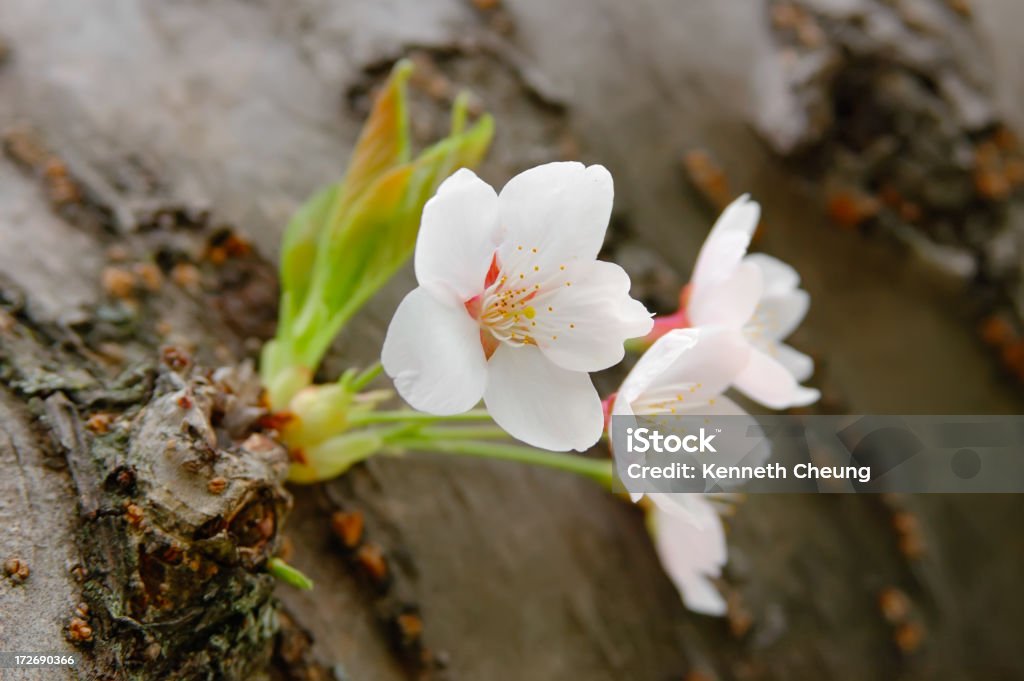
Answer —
135 130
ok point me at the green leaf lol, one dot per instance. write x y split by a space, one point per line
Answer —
351 237
298 250
382 145
384 141
379 234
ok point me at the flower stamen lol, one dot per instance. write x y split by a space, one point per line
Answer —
509 313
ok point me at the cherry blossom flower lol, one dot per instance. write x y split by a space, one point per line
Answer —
513 305
684 373
756 293
692 549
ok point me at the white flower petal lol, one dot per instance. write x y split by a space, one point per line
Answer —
697 375
555 213
458 236
692 550
778 316
726 407
769 382
542 404
700 595
432 351
726 244
730 303
779 278
652 364
796 362
582 327
692 507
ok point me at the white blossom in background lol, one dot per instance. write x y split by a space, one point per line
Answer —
513 305
692 549
760 295
685 373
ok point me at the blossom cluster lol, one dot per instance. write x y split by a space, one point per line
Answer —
514 310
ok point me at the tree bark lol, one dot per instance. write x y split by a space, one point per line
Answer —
146 142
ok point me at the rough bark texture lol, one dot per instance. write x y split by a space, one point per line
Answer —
136 129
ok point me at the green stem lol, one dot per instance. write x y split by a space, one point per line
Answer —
411 416
288 574
599 470
463 433
370 373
